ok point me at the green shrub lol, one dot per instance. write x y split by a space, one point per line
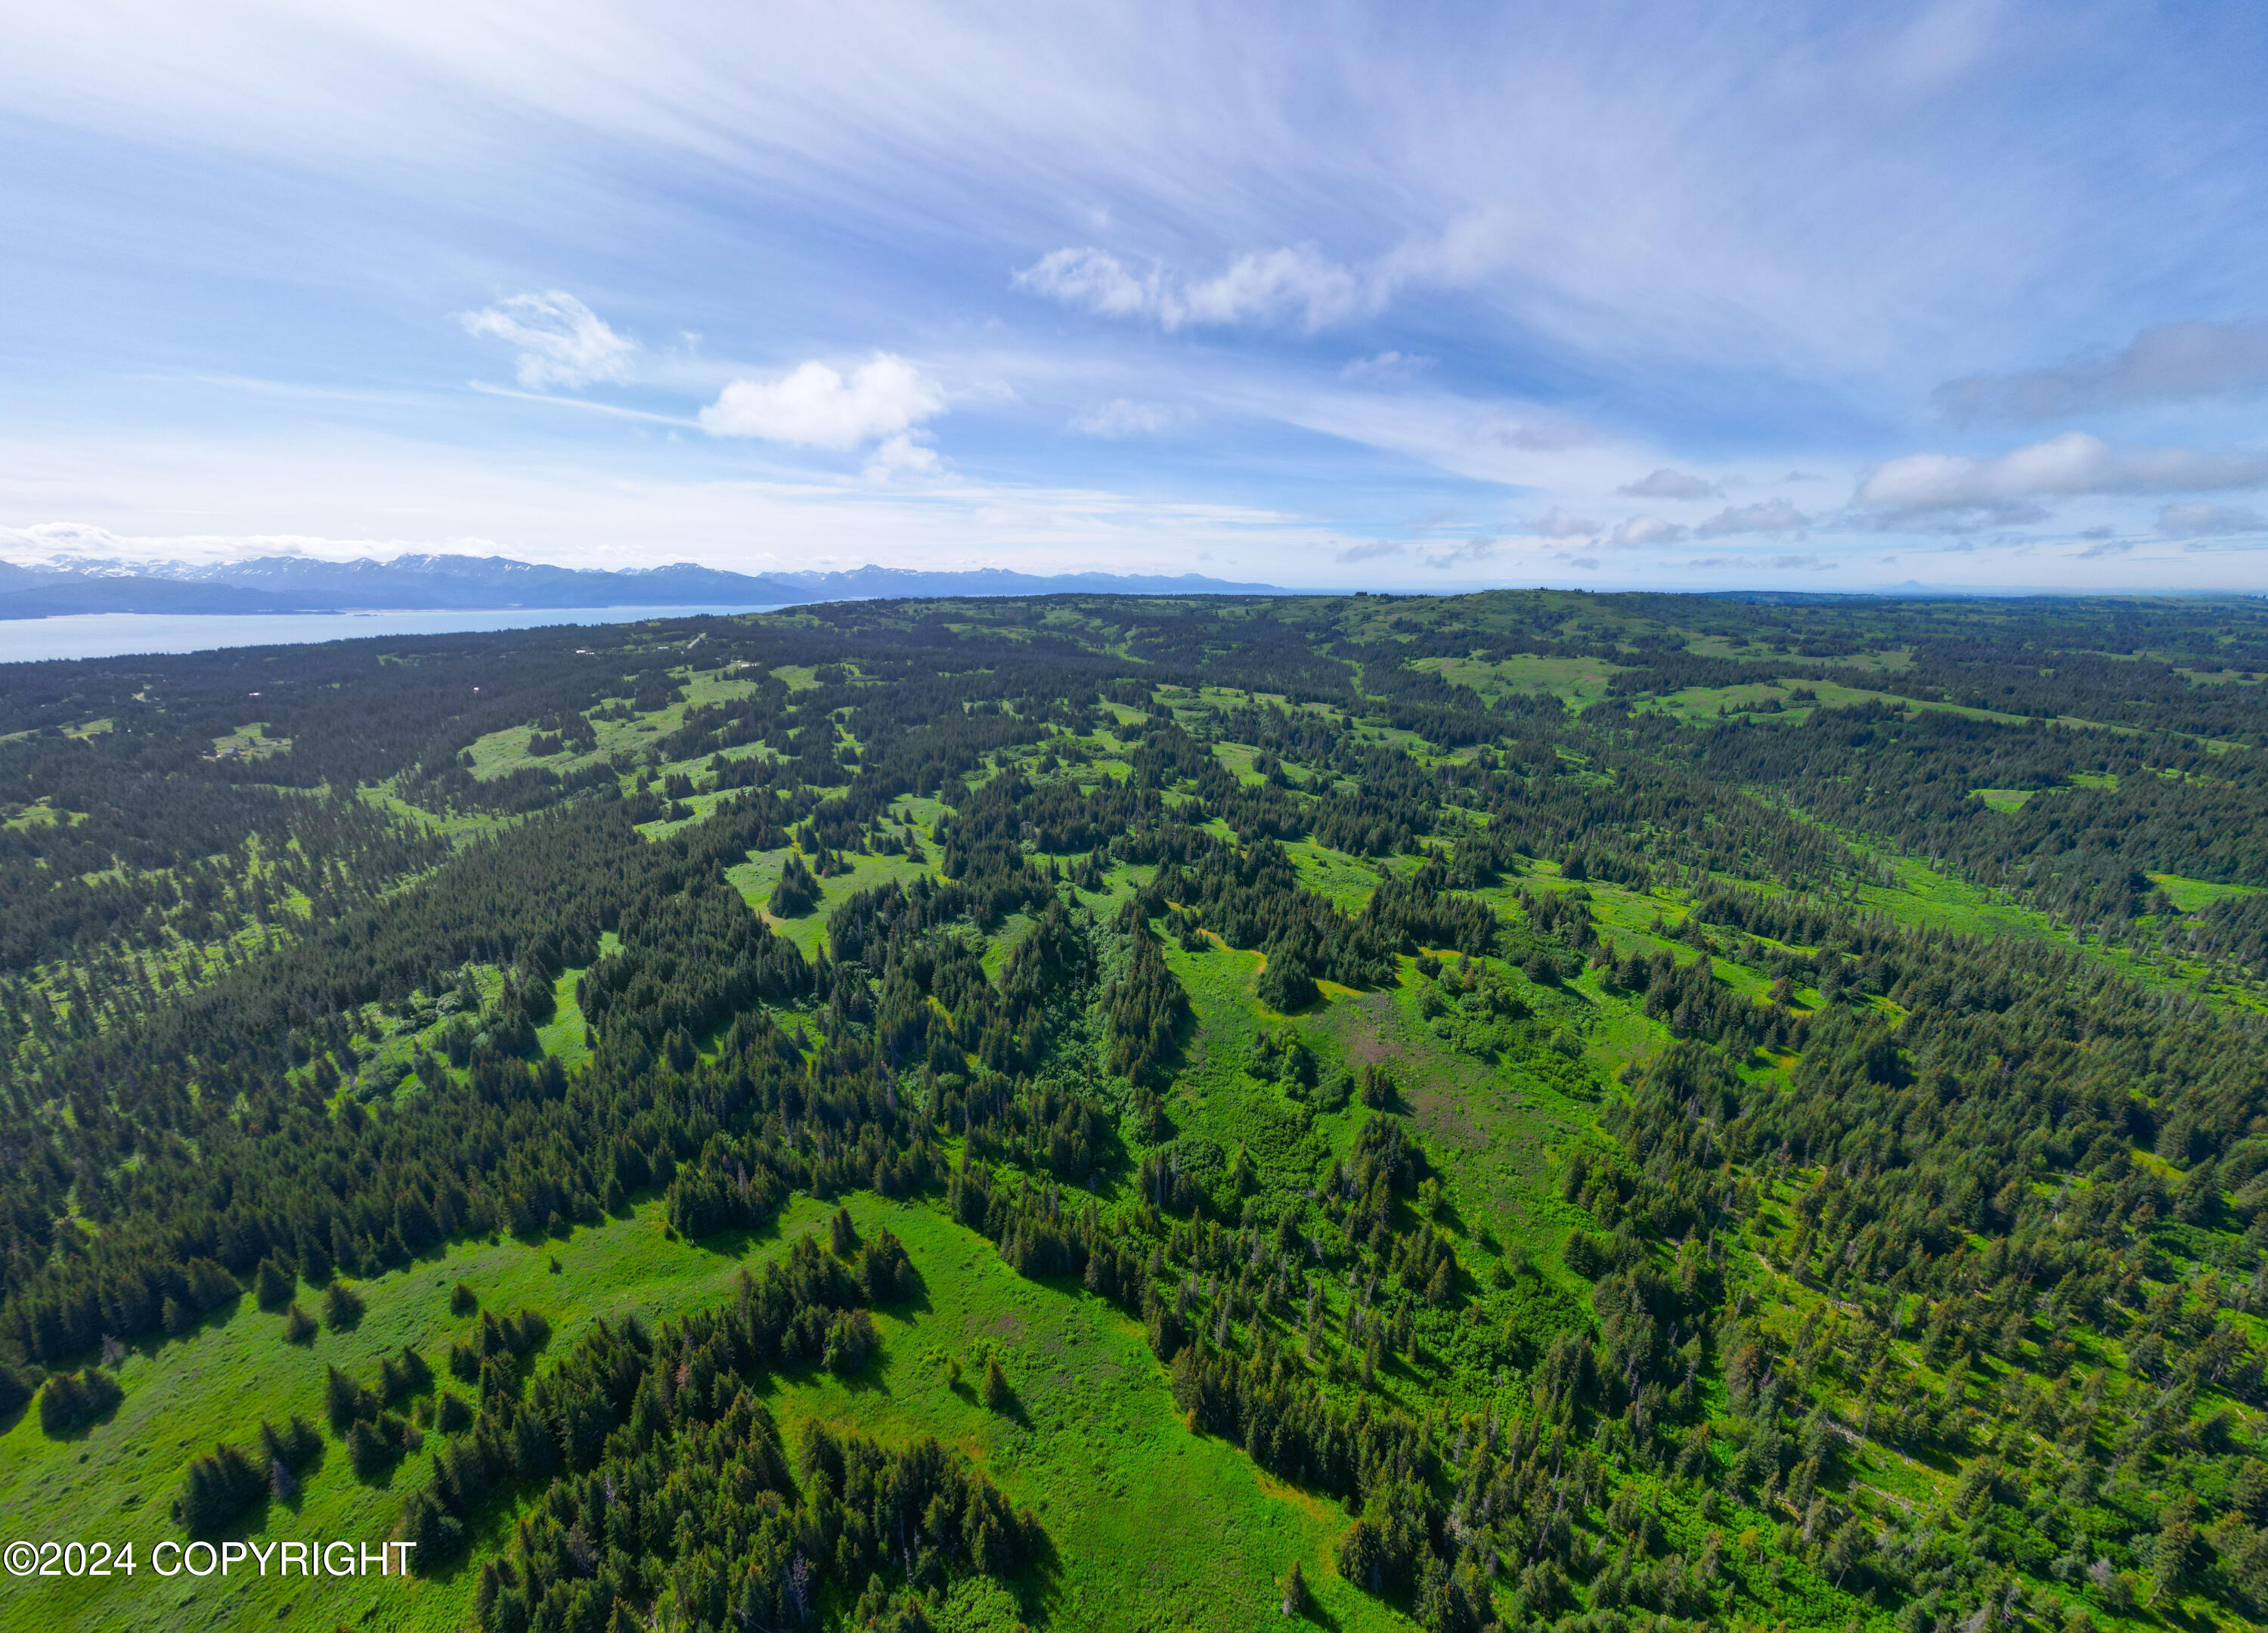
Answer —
271 1285
797 892
218 1488
1380 1091
1286 984
210 1286
72 1400
342 1307
16 1387
1583 1256
296 1446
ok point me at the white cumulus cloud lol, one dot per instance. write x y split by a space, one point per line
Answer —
1635 532
561 340
2199 520
2170 363
815 405
1558 522
1767 516
900 458
2073 463
1669 484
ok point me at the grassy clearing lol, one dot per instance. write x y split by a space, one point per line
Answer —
1703 705
1700 705
41 812
1578 682
1345 881
456 827
1926 898
1215 1100
249 742
563 1036
2190 894
1495 1127
114 1484
1153 1528
1929 898
500 754
1491 1126
754 879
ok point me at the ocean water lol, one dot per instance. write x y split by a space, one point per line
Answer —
115 635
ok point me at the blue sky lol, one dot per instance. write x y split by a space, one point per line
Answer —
1834 296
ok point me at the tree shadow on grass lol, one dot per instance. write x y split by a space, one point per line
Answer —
1012 1410
1039 1585
247 1521
909 1302
739 1242
380 1478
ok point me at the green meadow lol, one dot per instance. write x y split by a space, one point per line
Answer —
1152 1526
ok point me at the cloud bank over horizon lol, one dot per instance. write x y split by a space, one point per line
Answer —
1952 291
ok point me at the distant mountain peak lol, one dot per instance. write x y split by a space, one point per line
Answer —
271 584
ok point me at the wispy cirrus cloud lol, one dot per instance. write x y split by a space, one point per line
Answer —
1122 417
1296 285
1387 368
1478 549
1777 563
560 341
